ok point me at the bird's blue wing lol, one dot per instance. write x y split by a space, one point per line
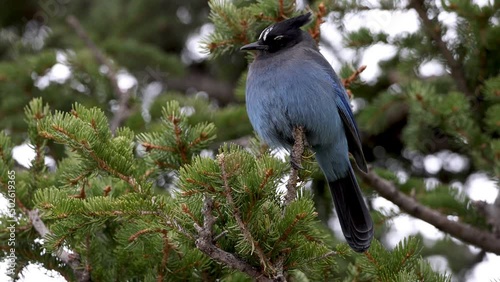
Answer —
352 132
344 109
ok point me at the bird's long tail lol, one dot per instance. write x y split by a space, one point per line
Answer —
353 214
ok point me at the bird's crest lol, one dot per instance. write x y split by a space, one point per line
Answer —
284 27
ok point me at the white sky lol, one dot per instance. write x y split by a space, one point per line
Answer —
478 187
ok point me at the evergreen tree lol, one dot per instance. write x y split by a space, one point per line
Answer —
148 191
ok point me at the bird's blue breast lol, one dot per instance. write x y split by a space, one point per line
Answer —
290 92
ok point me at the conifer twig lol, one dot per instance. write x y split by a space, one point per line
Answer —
347 82
222 234
179 228
205 244
434 31
315 31
236 211
462 231
71 259
323 256
123 97
296 160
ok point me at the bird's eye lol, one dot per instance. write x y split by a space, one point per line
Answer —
279 37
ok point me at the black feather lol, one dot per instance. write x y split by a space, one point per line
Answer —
353 214
284 34
354 142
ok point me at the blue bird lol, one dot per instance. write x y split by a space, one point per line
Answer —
291 84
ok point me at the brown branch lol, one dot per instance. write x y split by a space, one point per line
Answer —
104 166
281 13
149 146
123 97
315 31
347 82
296 160
206 245
433 29
323 256
71 259
139 233
236 211
178 139
166 251
467 233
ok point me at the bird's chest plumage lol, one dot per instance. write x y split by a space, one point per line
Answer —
284 92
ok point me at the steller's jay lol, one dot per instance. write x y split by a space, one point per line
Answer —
291 84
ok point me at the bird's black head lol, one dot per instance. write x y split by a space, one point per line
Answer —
280 35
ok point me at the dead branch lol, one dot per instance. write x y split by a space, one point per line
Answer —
70 258
462 231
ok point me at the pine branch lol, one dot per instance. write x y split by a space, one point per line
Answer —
434 31
123 97
205 244
246 233
101 163
296 160
71 259
467 233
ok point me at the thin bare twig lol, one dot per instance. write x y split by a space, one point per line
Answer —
172 222
347 82
70 258
123 97
467 233
315 30
434 31
322 257
296 160
222 234
206 245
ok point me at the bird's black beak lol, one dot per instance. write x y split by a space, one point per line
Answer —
253 46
